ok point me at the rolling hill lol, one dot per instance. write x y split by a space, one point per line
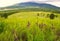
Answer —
33 5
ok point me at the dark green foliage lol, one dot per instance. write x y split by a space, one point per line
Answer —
48 15
1 27
52 16
37 14
5 14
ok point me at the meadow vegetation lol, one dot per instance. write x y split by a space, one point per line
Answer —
30 26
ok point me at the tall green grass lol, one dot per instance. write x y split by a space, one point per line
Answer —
28 28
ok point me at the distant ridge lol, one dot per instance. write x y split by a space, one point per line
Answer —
33 4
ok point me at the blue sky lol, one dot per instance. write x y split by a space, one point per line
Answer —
4 3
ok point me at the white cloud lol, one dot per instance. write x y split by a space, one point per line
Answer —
4 3
54 3
7 2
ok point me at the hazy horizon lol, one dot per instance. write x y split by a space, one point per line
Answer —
4 3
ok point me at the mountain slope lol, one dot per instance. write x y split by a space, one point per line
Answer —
33 4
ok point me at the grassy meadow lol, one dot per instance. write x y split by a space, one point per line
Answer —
30 26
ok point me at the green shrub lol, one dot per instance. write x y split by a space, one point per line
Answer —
52 16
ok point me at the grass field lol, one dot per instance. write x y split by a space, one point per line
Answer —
29 26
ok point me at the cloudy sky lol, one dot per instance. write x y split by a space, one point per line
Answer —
4 3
